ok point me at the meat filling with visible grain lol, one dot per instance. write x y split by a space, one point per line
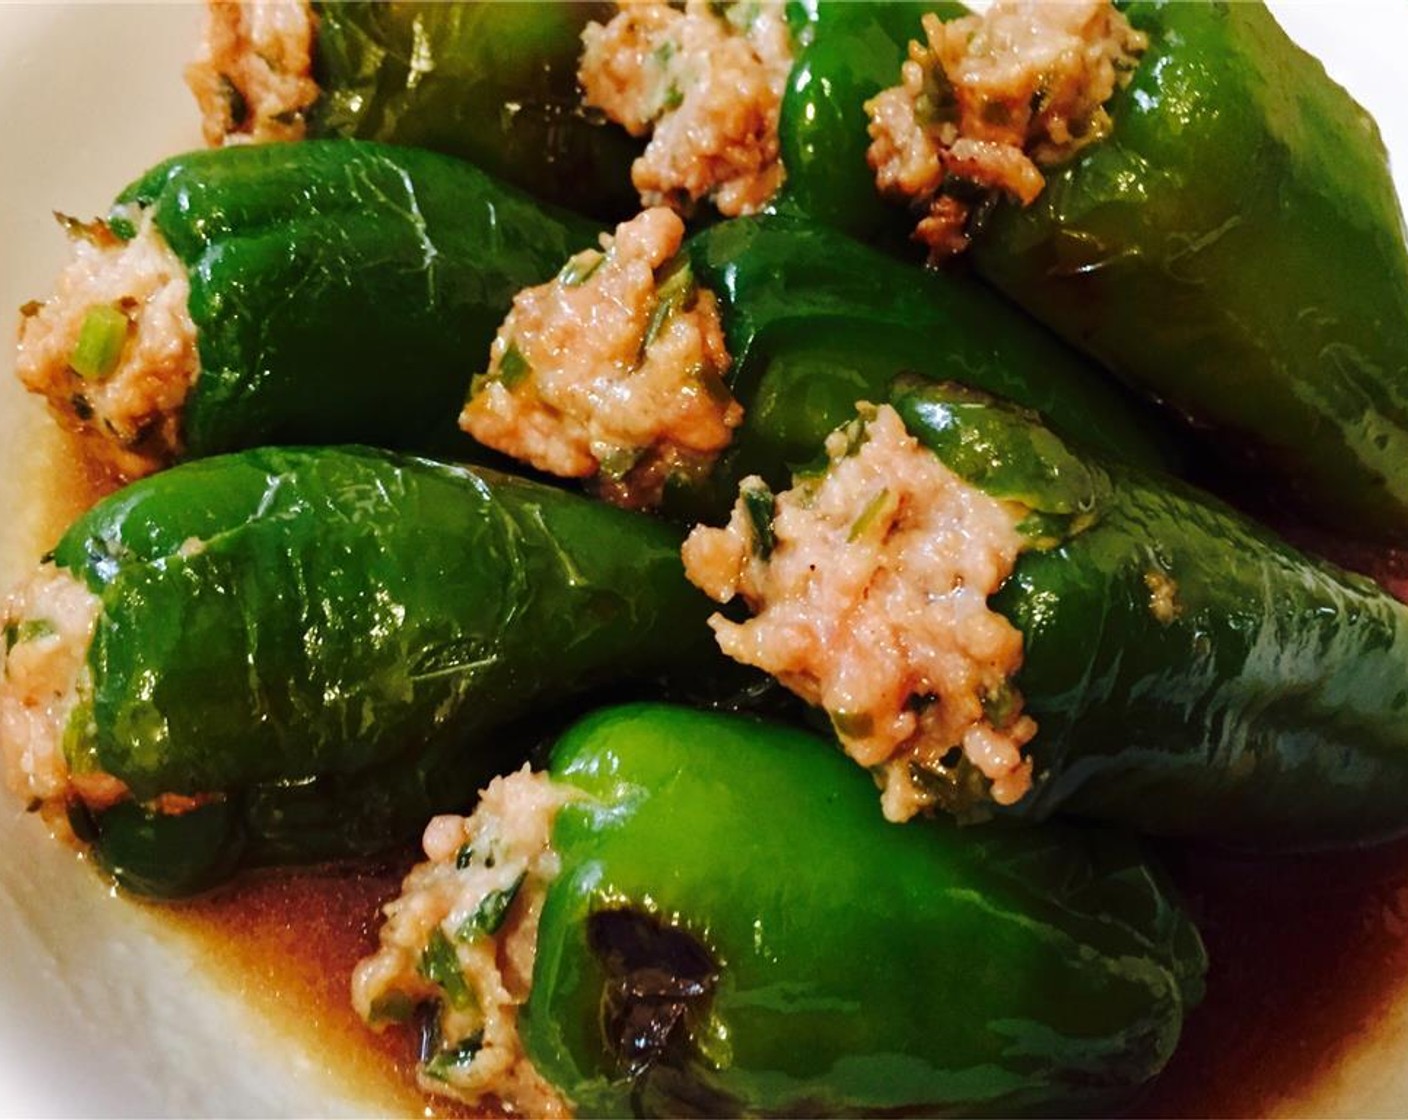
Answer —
706 85
868 585
114 349
463 936
990 99
45 688
48 627
612 371
253 79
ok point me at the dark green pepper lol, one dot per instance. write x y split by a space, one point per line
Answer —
816 322
341 291
850 53
735 931
1190 674
1235 249
493 83
331 643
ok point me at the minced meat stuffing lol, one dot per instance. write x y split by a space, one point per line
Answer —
48 626
613 370
706 84
114 349
869 586
989 99
463 934
253 77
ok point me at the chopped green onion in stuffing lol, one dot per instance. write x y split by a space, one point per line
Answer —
579 269
674 293
30 630
394 1007
100 342
488 917
514 367
761 506
441 965
868 516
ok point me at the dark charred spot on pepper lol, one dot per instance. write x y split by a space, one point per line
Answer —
659 989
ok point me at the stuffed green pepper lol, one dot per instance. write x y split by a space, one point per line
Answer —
292 654
613 937
1197 205
492 83
665 371
326 292
994 623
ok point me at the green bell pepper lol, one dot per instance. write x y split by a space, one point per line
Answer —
341 290
1235 249
493 83
850 52
1189 673
816 321
734 930
332 642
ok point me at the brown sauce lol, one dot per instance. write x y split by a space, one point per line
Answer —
1307 953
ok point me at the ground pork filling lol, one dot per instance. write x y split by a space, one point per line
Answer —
991 98
48 627
869 585
612 371
253 77
114 349
463 935
706 84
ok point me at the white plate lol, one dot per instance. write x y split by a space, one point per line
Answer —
102 1010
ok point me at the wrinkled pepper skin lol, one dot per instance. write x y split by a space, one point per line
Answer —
490 82
334 640
921 969
1190 674
342 291
816 322
849 53
1235 249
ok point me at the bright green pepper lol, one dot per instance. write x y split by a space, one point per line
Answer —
1189 673
333 642
493 83
735 930
1235 249
340 290
816 322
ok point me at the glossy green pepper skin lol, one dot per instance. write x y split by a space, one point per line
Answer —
493 83
1235 248
816 322
341 291
736 924
1189 673
849 53
333 641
